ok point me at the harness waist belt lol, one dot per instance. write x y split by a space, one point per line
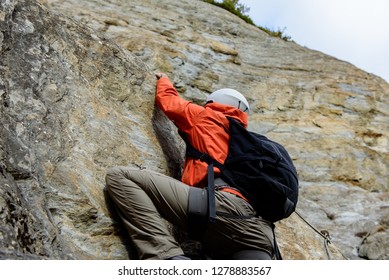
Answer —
222 186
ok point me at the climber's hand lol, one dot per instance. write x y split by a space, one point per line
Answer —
160 75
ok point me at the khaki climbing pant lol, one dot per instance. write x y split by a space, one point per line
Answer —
144 197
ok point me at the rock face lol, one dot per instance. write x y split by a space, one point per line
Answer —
77 97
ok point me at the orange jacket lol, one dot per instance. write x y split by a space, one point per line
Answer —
207 128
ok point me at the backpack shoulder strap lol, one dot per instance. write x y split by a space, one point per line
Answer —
192 152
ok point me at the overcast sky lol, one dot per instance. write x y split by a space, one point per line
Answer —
356 31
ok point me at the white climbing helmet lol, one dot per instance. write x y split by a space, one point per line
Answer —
230 97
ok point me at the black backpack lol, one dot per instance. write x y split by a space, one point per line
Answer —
259 168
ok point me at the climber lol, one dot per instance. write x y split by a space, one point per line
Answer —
142 197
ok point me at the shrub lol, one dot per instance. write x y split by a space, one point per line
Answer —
241 10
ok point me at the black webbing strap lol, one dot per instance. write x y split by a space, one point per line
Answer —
211 194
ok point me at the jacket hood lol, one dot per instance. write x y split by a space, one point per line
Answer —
229 111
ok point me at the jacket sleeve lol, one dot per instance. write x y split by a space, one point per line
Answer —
182 112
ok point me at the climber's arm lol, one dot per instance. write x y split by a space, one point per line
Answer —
177 109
